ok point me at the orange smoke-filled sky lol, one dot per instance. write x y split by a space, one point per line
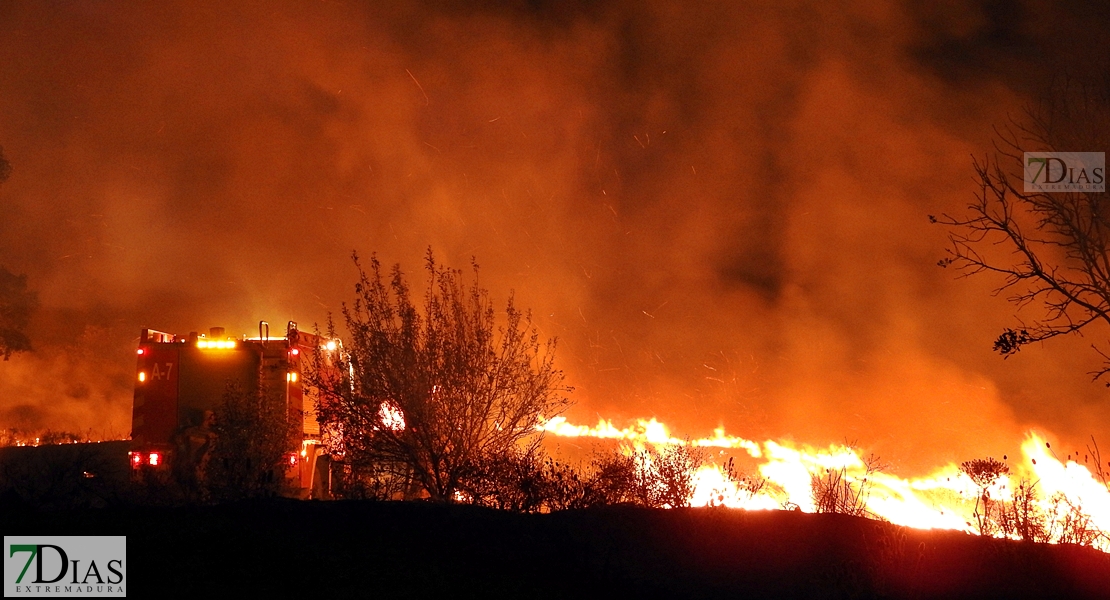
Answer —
719 208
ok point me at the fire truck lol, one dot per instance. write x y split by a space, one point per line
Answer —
181 382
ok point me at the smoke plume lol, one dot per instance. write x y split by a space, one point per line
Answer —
719 209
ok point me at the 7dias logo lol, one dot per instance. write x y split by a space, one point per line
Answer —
1065 172
71 565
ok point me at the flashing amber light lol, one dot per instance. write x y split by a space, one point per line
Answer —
216 344
142 376
291 377
155 459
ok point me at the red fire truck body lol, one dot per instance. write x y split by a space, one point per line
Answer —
182 381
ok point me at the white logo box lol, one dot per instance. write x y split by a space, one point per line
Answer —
95 566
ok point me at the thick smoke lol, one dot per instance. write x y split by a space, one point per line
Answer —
720 210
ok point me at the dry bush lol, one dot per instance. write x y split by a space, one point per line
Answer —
676 468
513 480
1066 523
984 473
566 487
1021 518
526 481
371 481
748 486
532 483
649 477
835 492
610 479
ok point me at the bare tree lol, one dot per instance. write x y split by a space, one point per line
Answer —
424 396
1049 248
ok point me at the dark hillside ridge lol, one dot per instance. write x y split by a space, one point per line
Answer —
373 549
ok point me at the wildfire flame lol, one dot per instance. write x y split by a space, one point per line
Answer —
944 499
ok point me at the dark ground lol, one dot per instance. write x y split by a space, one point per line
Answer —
418 550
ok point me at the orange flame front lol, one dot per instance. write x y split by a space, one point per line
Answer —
944 499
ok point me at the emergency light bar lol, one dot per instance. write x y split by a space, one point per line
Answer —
216 345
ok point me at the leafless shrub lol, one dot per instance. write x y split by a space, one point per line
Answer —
748 486
836 492
1021 518
1066 523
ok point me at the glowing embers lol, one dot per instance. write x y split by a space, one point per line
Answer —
216 344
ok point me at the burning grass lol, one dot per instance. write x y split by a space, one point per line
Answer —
42 437
1038 498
